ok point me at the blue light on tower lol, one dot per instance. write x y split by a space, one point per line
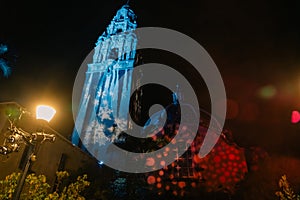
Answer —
104 107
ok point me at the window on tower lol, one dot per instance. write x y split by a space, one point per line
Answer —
113 54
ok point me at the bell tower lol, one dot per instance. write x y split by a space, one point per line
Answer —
104 107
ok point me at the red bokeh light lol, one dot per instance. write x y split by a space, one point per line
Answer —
181 184
295 117
221 169
151 180
150 162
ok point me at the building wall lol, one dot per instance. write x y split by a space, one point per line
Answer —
51 156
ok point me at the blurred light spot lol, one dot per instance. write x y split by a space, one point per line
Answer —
231 157
181 184
217 159
175 193
193 184
167 187
151 180
158 185
100 162
150 162
171 176
295 117
267 92
222 179
161 173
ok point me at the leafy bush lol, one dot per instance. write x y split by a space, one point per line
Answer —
286 192
36 187
8 186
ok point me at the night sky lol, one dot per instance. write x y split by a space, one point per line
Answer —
255 44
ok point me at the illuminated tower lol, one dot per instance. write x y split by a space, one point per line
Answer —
104 107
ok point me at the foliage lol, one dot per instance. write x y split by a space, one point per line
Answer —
73 191
36 187
286 192
8 185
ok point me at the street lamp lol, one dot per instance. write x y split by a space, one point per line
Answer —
13 141
18 136
45 112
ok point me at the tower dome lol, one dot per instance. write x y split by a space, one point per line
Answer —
124 20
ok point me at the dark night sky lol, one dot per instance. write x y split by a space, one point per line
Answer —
254 44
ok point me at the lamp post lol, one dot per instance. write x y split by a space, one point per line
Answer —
31 139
